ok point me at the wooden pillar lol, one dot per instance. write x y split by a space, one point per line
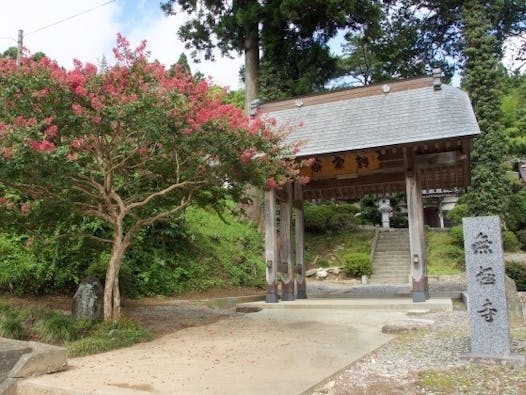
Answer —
301 285
415 215
286 266
271 249
440 213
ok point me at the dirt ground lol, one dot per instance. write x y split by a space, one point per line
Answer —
161 315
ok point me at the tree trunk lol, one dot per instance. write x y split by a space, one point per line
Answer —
112 299
253 209
251 68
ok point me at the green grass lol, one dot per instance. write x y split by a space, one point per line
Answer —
106 336
223 254
473 379
79 337
442 382
56 327
330 248
12 325
444 256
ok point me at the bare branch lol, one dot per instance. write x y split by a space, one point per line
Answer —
123 161
47 240
164 192
185 202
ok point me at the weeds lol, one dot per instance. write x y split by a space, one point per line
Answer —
79 337
444 256
11 325
107 336
57 328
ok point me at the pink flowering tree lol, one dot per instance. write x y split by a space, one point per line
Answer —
131 145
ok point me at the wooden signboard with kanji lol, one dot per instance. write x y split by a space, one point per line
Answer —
342 164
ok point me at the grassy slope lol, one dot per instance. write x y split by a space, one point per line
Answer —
224 253
327 249
443 255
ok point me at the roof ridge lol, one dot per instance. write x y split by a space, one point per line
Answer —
350 93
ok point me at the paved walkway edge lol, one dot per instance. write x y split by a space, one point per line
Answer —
316 388
40 359
383 304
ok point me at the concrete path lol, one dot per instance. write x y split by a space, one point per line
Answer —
273 351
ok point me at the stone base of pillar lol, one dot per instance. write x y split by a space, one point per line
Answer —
271 296
419 296
287 291
420 290
302 292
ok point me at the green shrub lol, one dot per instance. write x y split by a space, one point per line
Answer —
458 235
194 252
107 336
357 264
517 272
57 328
12 325
510 241
458 212
515 214
399 221
369 213
18 268
324 263
321 218
521 236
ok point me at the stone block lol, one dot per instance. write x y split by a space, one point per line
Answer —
88 300
488 312
43 359
10 353
514 303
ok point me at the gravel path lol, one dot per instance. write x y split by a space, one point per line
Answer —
428 362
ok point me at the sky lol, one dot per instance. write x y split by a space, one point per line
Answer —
89 36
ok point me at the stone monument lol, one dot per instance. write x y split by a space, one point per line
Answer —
384 207
487 307
87 302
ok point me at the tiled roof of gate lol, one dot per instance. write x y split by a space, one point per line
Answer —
354 120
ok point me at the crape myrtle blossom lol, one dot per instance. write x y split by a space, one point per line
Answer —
131 145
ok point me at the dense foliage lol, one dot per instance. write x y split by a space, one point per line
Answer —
327 217
357 264
517 272
413 36
490 187
190 253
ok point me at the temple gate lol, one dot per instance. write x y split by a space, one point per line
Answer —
405 136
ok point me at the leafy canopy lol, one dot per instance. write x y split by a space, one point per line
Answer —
131 146
132 139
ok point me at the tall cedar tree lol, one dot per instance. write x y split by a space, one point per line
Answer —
482 80
291 34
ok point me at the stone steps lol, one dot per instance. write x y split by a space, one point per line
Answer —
391 259
393 256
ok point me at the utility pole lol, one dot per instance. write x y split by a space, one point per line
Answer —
20 46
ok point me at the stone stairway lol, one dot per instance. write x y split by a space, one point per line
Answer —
391 258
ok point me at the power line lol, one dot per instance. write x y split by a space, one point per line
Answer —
69 17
